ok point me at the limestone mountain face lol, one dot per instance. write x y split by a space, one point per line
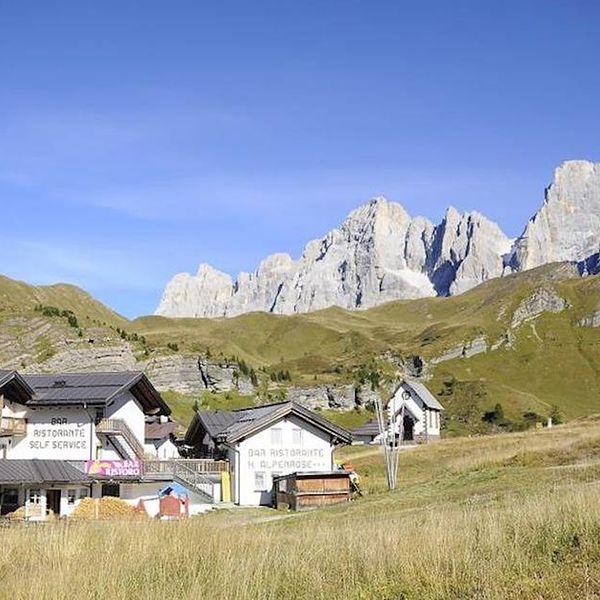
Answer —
467 250
202 295
361 264
380 253
567 227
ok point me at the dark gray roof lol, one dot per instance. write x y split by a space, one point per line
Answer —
424 394
66 388
232 426
216 421
40 471
245 417
94 389
370 428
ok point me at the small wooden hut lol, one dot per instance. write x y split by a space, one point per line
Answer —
303 491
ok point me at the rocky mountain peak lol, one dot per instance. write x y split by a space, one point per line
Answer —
380 253
378 213
207 271
567 226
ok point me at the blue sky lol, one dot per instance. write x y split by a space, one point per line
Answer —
138 139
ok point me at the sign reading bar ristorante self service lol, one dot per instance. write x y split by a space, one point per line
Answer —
113 468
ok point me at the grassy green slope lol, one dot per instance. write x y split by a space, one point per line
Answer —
17 297
553 361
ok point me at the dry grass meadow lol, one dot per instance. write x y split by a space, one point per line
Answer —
505 516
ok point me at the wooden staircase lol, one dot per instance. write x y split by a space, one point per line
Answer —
195 482
121 437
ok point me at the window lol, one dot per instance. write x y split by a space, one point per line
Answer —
9 500
111 489
35 496
260 481
276 437
84 492
71 497
297 435
9 496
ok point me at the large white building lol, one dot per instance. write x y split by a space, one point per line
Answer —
66 437
264 442
78 417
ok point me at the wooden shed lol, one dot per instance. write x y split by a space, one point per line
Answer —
303 491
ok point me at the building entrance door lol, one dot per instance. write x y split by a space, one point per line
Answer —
53 501
407 428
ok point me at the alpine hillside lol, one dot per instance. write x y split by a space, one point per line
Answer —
529 342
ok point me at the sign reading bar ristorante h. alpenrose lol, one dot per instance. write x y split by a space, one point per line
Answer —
113 468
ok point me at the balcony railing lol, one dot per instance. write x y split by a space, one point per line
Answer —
13 426
168 467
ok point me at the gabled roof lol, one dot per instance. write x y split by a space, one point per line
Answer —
214 421
370 428
94 389
159 431
424 394
211 422
14 387
40 471
233 426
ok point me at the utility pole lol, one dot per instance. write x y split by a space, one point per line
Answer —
386 420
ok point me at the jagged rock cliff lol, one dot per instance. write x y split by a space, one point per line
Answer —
567 227
381 254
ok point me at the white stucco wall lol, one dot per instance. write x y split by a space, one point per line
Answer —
125 407
56 433
277 454
69 433
37 511
162 449
80 492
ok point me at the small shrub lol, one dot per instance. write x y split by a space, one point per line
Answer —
556 415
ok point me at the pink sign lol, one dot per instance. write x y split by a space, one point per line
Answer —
114 468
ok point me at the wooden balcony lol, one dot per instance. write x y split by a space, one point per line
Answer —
12 426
